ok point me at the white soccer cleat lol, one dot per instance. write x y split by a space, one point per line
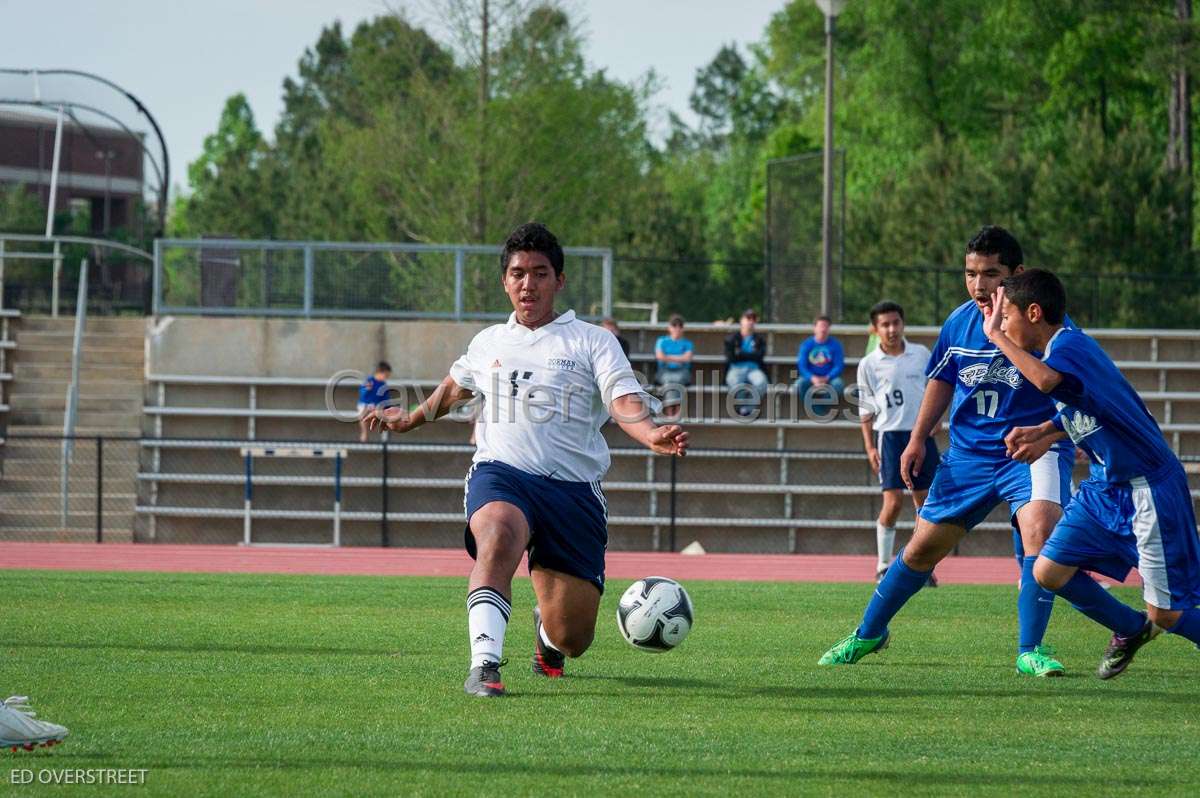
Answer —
19 727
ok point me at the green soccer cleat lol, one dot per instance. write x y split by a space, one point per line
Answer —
851 648
1039 662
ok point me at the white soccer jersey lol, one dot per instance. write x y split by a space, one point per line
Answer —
892 387
546 394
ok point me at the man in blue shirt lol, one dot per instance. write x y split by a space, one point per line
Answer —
987 397
1135 509
674 355
820 360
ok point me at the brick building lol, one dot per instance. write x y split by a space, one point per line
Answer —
100 168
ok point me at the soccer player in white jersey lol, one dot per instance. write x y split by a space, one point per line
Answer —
891 382
549 381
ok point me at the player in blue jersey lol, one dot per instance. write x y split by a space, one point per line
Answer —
1135 508
987 397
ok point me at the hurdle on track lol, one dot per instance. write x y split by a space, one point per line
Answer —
337 455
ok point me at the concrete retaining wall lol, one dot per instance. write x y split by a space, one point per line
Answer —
302 348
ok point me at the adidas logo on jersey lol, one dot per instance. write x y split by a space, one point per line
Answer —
996 371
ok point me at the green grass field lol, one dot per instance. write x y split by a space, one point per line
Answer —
285 685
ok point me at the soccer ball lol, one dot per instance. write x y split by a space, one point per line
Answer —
655 614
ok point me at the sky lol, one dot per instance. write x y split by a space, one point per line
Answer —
183 58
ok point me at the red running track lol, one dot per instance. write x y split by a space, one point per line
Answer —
451 562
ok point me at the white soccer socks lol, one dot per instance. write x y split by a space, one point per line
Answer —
885 540
487 619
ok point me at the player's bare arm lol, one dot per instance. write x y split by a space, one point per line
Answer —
443 399
868 433
934 402
670 439
1044 378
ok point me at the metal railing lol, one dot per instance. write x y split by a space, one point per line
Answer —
58 251
191 490
71 417
311 279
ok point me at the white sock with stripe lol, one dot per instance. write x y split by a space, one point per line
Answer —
487 620
885 539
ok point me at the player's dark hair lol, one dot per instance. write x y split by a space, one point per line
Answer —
994 240
675 319
1037 287
823 318
886 306
383 365
532 237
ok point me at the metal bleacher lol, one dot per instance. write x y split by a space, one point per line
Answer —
784 483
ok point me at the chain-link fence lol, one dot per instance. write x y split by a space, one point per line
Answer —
793 244
928 293
41 276
68 489
1094 299
310 279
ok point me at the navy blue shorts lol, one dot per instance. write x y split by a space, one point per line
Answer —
891 446
568 521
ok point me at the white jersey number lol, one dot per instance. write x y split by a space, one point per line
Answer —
986 403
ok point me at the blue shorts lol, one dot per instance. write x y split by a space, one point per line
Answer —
966 487
568 521
891 446
1145 523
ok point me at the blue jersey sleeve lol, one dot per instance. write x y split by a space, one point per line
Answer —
1074 357
942 365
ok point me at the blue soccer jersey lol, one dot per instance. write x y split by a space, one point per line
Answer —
1134 510
1101 411
990 395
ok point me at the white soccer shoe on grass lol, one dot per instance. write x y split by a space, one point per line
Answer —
19 728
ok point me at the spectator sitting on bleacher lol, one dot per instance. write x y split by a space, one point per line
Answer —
371 393
611 325
674 355
820 360
745 351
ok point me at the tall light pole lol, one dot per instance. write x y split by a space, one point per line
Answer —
831 9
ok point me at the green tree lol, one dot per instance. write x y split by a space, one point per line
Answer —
230 192
20 211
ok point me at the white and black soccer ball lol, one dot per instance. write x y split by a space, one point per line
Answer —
655 614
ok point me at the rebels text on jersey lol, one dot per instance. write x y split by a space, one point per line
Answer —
1102 412
990 395
546 394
